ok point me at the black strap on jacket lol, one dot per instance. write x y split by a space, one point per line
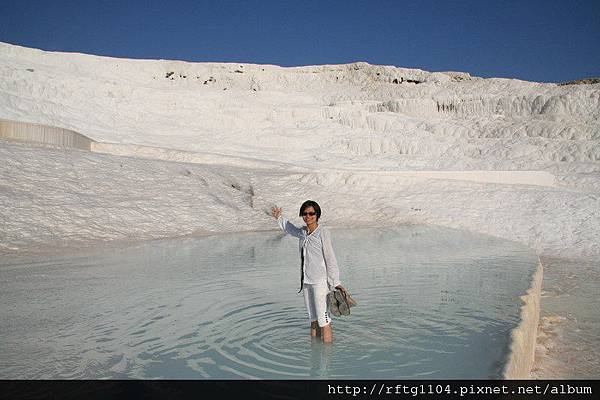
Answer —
301 270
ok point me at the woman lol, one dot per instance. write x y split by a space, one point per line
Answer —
319 270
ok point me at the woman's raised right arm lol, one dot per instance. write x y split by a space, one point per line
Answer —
284 224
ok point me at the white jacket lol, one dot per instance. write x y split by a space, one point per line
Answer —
320 265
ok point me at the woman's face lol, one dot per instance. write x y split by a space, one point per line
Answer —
309 215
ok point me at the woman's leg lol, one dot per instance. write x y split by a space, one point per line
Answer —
309 301
327 333
324 321
315 331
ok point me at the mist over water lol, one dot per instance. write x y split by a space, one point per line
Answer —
433 303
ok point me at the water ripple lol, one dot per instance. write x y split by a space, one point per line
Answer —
209 308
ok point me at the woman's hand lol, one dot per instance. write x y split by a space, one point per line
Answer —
276 211
349 299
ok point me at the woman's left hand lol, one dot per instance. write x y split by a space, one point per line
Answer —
340 287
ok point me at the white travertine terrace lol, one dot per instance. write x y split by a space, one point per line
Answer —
45 135
522 349
184 148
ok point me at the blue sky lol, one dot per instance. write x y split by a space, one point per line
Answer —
545 41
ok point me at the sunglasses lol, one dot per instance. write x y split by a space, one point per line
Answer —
308 213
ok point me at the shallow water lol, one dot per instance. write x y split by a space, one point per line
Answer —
433 303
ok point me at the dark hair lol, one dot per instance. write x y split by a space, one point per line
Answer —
313 204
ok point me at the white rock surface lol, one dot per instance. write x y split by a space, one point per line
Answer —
194 148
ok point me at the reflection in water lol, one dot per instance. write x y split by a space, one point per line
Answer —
433 304
320 359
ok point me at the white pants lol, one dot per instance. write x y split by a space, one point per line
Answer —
315 298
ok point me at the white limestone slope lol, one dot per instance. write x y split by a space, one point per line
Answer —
205 147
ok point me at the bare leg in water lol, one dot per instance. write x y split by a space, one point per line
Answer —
325 332
314 329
